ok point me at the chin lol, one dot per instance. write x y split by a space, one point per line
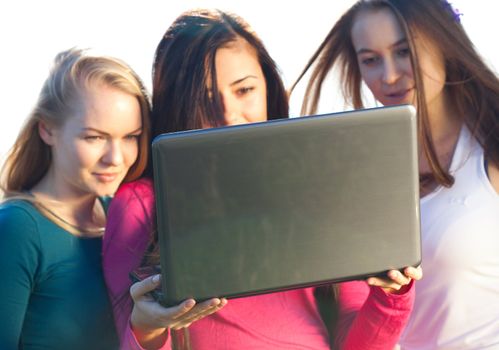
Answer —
107 190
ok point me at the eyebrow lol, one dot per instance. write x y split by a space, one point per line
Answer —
401 41
244 78
107 134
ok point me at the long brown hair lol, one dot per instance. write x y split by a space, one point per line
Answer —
62 94
183 67
184 64
470 84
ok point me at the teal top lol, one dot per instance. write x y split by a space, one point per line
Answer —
52 294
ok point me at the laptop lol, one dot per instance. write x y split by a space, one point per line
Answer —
283 204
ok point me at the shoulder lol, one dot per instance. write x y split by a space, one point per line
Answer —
136 196
17 215
129 225
140 190
131 209
20 225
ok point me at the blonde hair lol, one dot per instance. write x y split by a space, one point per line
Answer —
62 95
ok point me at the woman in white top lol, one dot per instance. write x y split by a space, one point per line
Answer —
417 52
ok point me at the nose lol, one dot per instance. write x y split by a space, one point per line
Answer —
391 72
113 154
233 111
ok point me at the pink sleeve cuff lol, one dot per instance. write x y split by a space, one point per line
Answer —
130 342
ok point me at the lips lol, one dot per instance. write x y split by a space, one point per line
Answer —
399 96
106 177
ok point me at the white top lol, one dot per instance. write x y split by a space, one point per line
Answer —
457 301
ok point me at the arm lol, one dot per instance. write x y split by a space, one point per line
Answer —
373 316
128 230
141 322
19 251
151 321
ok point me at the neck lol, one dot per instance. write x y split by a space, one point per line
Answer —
444 120
445 125
77 211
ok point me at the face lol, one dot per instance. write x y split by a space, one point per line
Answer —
241 83
384 60
94 149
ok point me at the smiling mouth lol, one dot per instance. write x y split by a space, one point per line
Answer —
399 94
106 177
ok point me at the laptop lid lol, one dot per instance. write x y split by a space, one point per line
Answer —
255 208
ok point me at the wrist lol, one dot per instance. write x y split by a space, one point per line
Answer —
148 337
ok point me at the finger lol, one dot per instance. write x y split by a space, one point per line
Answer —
200 311
386 284
181 309
190 318
212 308
399 278
202 308
139 289
416 273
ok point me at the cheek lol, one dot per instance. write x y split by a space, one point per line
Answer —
261 114
263 106
86 155
256 107
370 78
131 152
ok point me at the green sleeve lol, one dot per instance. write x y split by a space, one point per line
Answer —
19 255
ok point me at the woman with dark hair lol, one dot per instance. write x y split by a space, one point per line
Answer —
212 70
417 52
86 134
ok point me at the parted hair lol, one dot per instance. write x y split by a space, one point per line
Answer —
184 67
470 83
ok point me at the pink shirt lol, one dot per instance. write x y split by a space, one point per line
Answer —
369 318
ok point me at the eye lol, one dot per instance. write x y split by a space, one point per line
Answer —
370 60
404 52
93 138
244 90
133 137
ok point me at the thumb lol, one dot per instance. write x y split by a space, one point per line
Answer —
145 286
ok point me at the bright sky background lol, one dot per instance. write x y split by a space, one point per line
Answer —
32 32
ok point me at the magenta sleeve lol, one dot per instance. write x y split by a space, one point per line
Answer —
127 236
370 318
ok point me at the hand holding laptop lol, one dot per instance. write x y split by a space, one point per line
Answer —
396 280
149 314
153 319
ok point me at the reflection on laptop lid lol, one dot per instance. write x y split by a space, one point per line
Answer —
290 203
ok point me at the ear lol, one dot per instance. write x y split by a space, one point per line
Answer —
46 132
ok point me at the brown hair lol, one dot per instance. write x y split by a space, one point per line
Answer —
469 82
184 64
62 94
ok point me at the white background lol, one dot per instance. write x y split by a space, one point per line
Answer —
32 32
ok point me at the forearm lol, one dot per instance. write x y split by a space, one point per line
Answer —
151 339
371 318
135 339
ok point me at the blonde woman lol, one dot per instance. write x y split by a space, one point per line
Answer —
86 134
